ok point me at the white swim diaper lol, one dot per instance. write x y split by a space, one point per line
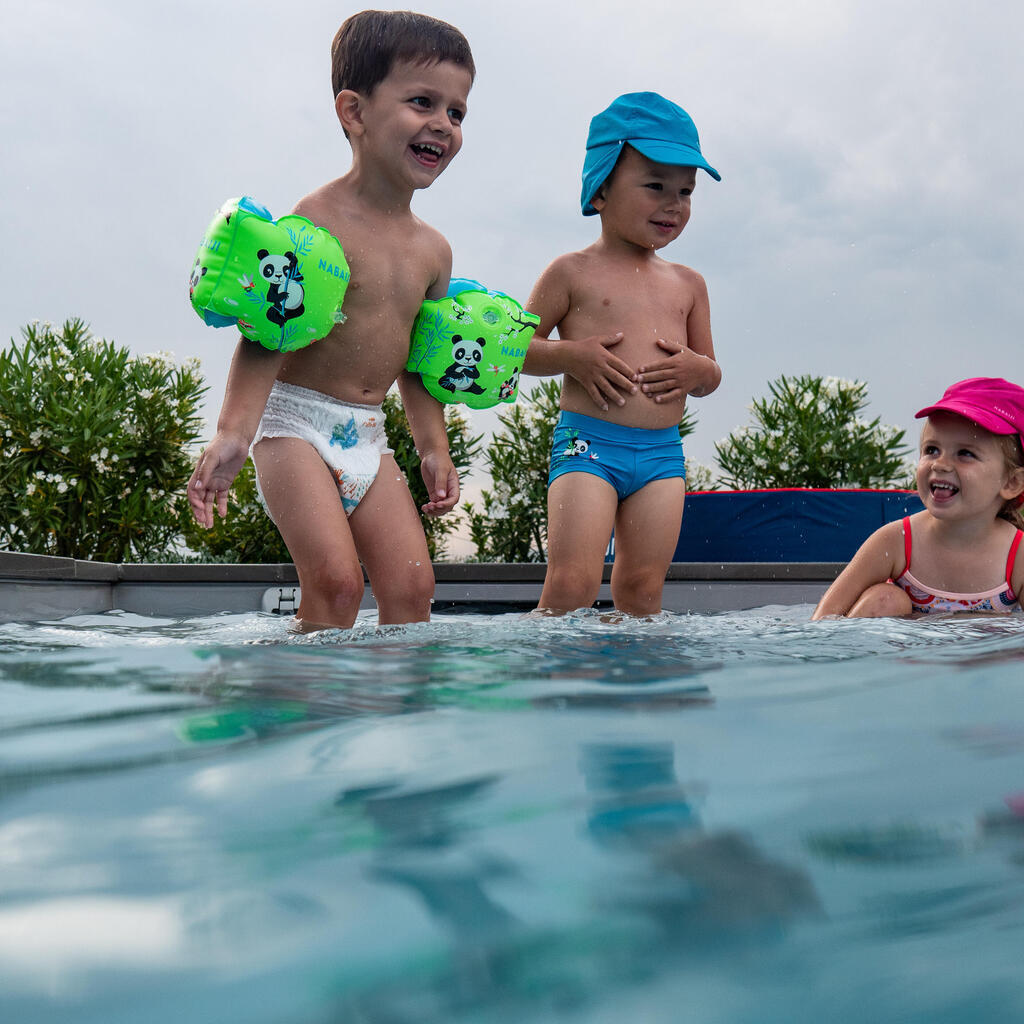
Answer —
349 438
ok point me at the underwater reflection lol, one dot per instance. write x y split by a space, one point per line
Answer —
697 887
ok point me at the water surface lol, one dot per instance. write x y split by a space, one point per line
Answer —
724 818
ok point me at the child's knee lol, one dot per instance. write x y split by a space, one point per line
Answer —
640 587
339 585
883 600
569 587
409 593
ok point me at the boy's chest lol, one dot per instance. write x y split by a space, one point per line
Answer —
390 275
643 313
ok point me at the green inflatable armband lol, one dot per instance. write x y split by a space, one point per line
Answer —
469 347
280 282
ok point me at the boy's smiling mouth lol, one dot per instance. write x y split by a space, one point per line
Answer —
428 153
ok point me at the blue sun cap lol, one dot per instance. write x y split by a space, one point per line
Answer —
652 125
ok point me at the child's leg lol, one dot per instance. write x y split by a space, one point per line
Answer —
581 511
302 496
881 600
646 534
390 540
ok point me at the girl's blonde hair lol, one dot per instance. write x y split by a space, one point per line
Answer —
1013 456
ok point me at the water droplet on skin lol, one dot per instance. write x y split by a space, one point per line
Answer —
417 563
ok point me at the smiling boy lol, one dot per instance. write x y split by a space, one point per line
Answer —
634 339
400 82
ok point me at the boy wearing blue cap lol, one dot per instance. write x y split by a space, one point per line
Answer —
634 340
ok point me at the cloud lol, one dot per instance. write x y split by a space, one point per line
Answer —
867 225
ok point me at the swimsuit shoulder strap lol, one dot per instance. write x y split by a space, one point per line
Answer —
906 541
1012 557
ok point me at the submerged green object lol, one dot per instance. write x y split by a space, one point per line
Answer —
469 346
280 282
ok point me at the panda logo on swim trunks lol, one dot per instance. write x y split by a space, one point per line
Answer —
285 292
577 446
463 372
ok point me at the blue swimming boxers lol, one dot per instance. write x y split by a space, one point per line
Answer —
629 458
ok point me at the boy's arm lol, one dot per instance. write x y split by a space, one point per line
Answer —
252 374
690 369
601 372
878 559
426 422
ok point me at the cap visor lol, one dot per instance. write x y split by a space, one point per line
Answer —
673 153
983 417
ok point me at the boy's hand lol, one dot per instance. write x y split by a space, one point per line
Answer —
442 480
683 373
604 375
213 476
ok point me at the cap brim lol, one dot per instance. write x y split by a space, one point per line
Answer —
983 417
673 153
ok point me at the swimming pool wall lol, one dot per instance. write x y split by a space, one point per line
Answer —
34 587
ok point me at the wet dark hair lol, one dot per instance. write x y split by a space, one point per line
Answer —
369 44
1013 456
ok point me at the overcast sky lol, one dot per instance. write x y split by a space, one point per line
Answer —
868 223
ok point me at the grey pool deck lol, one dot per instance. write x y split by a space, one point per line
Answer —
38 587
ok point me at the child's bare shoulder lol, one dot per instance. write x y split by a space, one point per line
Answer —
323 203
689 278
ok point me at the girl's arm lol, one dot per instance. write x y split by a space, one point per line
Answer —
1017 582
879 558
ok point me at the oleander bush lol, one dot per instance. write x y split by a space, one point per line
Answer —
810 433
249 535
95 445
511 522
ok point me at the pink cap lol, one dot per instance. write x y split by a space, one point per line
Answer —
991 402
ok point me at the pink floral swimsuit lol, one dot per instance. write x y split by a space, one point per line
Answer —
928 599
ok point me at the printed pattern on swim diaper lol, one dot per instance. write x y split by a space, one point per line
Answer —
349 438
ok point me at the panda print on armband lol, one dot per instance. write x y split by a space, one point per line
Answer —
508 387
463 373
195 277
284 286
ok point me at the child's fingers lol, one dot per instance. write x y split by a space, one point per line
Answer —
670 346
669 396
596 397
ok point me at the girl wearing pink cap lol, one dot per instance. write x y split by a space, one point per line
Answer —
964 545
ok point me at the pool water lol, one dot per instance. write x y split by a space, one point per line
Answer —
722 818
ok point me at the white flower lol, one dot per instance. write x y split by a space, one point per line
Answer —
64 449
31 489
61 487
104 453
